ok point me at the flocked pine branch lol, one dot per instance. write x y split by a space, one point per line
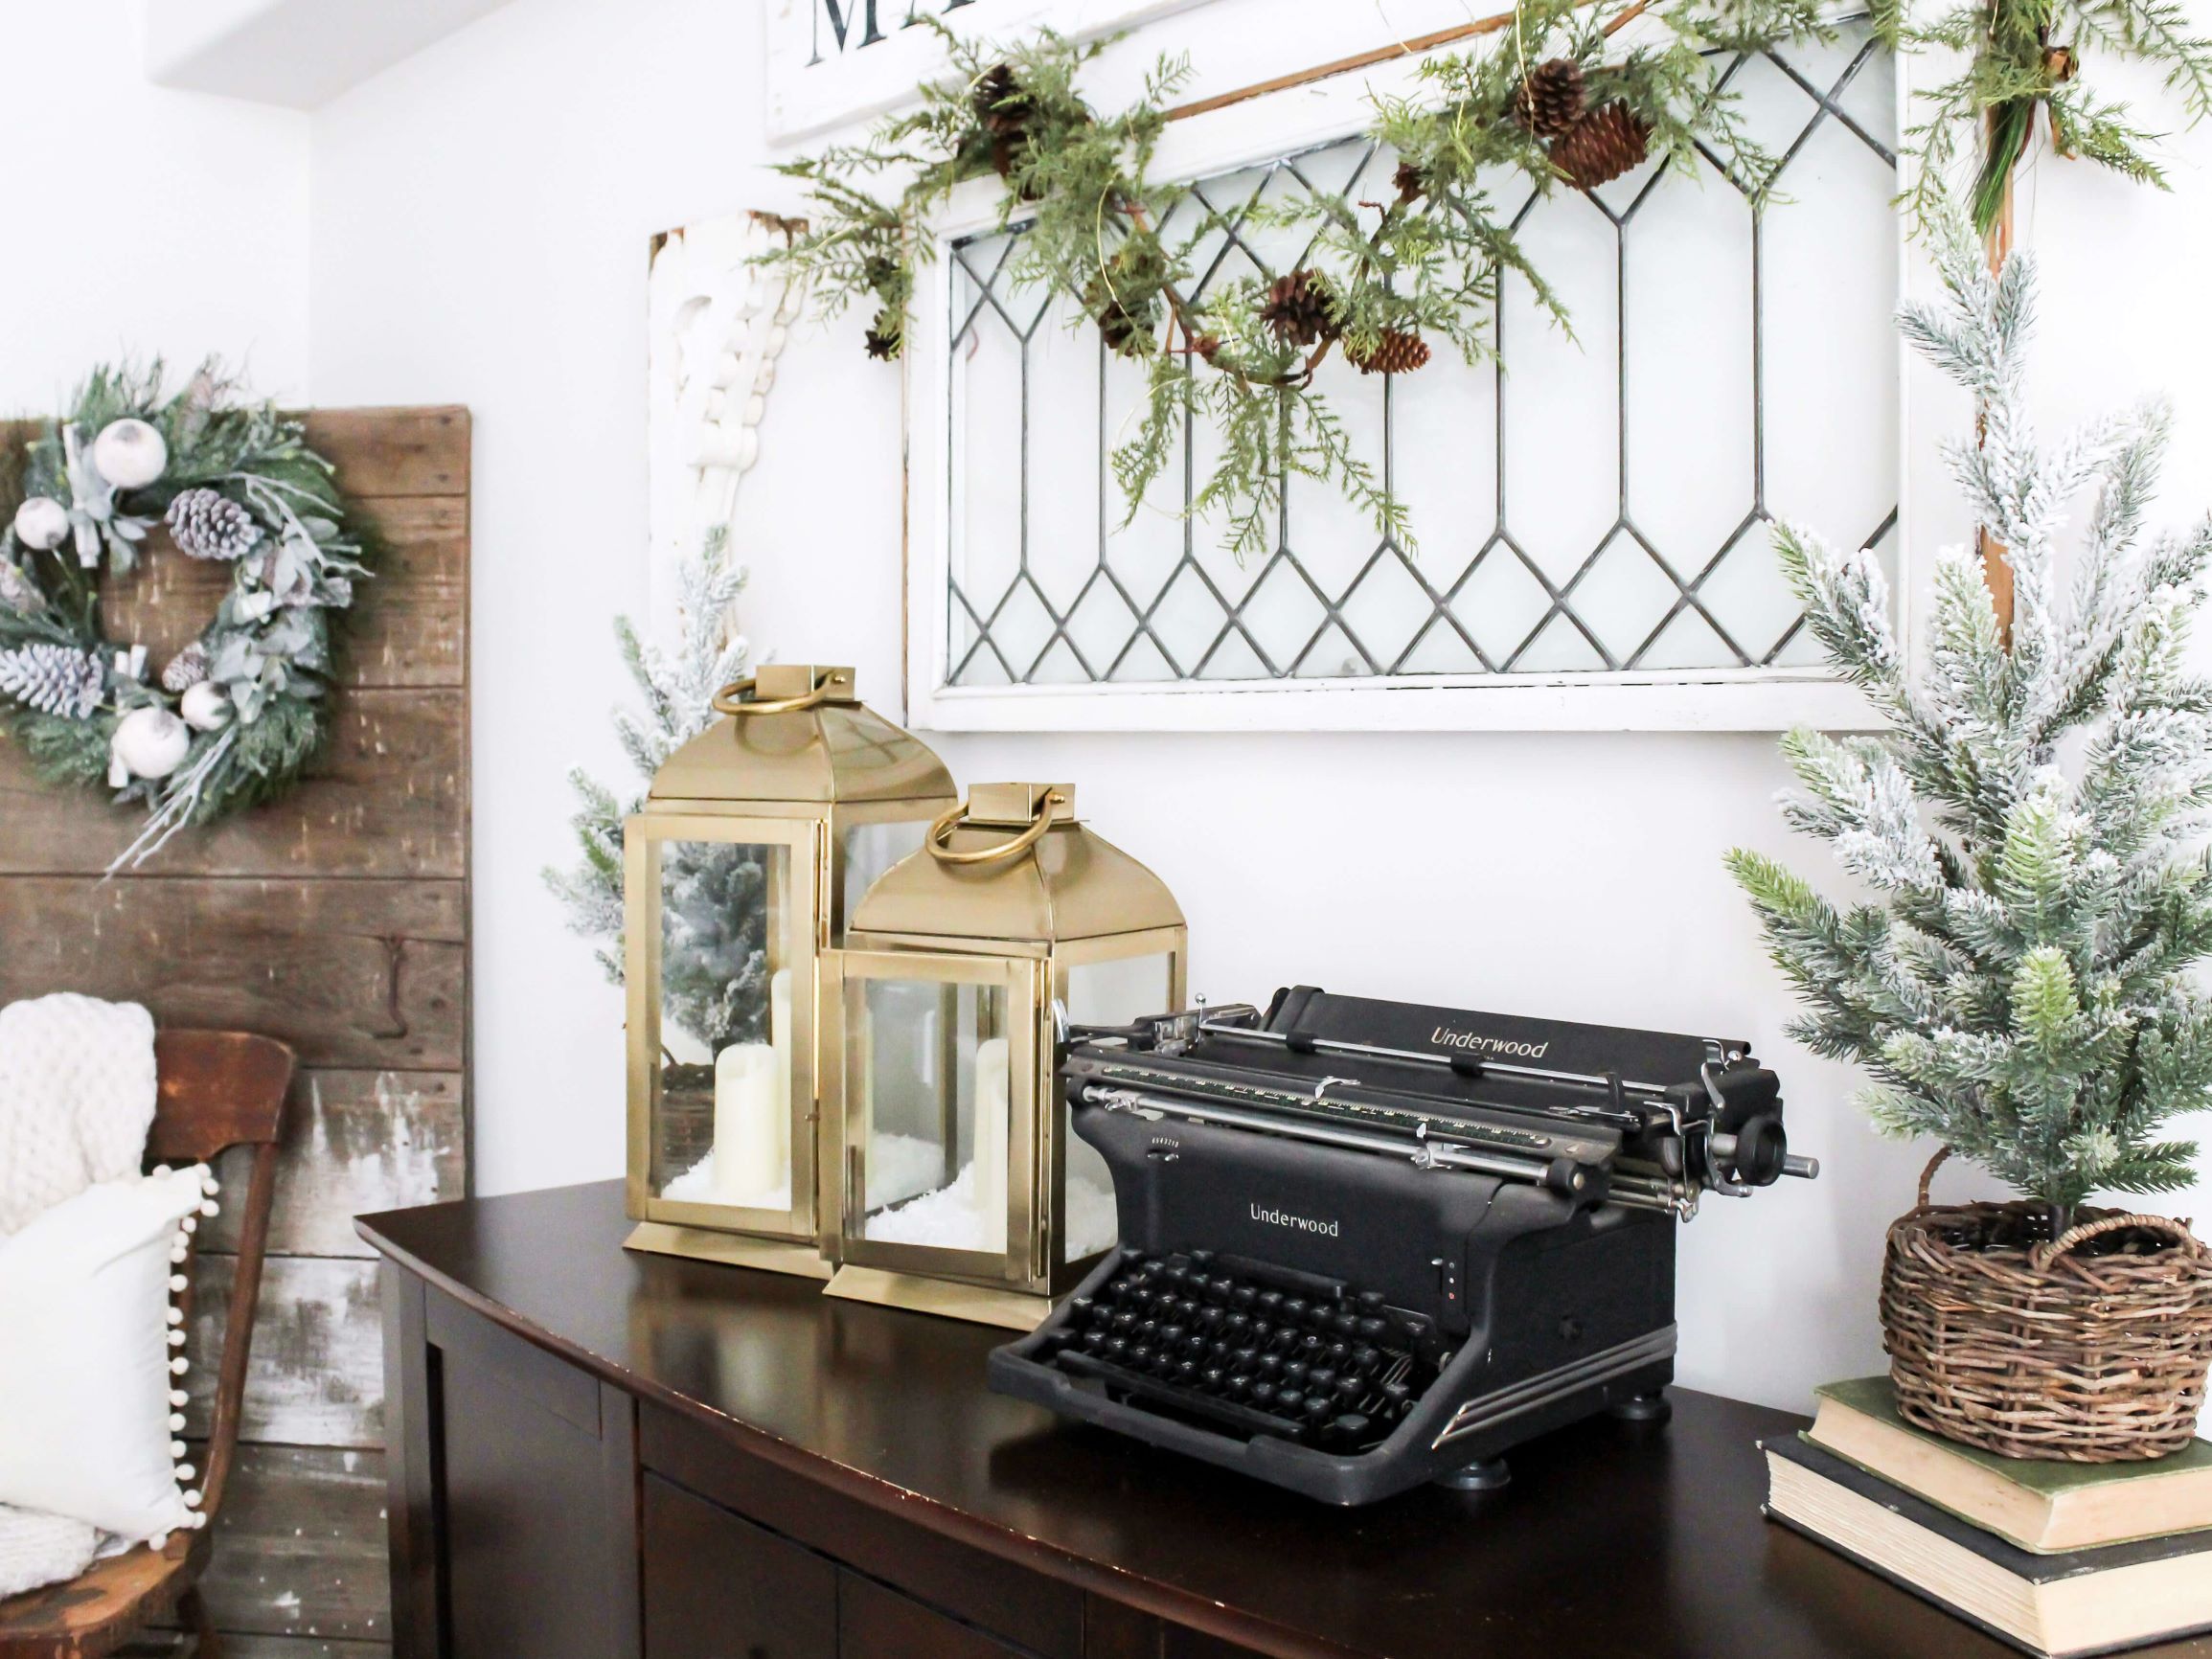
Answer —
2021 984
715 894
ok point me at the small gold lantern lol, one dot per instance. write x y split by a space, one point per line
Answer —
963 1189
738 873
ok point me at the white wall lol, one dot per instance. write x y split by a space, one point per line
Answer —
480 223
140 221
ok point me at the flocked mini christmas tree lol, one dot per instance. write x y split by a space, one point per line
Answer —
2019 985
714 918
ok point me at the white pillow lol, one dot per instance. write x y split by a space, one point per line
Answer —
88 1374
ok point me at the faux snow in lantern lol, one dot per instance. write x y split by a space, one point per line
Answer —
738 873
961 1187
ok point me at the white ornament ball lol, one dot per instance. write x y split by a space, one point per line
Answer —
129 454
205 707
42 523
151 743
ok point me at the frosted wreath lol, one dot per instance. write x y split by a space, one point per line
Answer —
233 719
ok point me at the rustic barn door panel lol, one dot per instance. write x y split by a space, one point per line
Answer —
337 920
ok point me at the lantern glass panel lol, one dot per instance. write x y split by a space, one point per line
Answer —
722 1093
872 849
1103 993
927 1070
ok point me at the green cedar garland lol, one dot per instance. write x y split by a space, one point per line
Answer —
1423 266
2025 58
245 487
2022 984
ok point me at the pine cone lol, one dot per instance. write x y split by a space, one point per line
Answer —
1121 328
1395 352
886 336
186 670
53 679
1412 182
1297 308
1006 112
1207 346
1604 144
999 102
208 524
1551 99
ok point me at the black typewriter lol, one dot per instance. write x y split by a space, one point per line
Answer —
1369 1244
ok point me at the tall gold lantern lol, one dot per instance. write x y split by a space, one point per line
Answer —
738 873
961 1188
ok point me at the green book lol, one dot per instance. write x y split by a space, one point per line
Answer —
2050 1508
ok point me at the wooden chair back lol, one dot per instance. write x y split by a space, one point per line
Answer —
219 1090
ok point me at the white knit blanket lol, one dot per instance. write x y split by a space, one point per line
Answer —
76 1091
77 1095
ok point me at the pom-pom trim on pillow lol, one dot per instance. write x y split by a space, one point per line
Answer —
83 1365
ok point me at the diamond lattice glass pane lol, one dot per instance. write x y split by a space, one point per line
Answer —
1624 598
1690 404
1828 288
1066 472
1562 393
1283 615
1386 610
1501 604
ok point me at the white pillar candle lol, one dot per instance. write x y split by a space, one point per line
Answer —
989 1187
779 1039
748 1120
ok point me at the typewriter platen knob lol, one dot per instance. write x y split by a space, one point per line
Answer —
1761 1147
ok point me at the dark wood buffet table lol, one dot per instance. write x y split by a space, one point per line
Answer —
608 1456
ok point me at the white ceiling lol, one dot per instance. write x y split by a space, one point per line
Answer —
297 53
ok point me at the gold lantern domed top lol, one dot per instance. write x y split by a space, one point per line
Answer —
754 839
1013 864
964 1189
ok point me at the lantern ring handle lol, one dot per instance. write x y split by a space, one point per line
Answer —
941 834
731 699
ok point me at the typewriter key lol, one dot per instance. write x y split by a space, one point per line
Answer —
1294 1309
1295 1371
1288 1400
1263 1391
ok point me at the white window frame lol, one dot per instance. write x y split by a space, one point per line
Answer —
1257 130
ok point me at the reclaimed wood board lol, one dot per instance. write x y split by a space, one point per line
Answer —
354 1141
316 1374
387 797
362 974
300 1546
336 920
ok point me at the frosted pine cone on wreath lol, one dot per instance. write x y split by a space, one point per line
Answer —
208 524
53 679
186 670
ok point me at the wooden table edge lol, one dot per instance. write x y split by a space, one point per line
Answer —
1146 1595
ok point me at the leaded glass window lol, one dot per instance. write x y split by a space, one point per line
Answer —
1601 508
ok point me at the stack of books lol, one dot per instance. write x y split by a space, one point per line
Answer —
2057 1559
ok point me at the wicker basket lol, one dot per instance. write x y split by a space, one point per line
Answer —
2047 1349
